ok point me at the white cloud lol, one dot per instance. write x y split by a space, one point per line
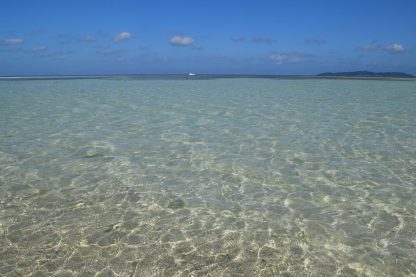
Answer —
11 49
289 57
107 51
374 46
12 41
89 38
395 48
65 39
39 49
122 36
181 41
59 55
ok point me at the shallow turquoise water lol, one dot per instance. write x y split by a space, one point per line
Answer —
221 177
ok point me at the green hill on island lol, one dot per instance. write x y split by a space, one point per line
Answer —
366 74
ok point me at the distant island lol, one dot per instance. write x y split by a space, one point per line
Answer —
366 74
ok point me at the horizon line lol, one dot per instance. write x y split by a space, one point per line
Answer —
196 75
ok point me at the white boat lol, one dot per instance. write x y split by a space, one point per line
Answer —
191 74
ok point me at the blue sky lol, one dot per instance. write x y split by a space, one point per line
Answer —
234 37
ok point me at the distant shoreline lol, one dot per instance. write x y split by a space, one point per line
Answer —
367 74
367 78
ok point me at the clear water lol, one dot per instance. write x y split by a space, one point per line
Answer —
221 177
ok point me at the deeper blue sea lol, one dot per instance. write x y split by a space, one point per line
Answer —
169 176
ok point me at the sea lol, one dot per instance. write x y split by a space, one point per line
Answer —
176 175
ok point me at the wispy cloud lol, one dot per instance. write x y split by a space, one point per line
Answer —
238 39
11 49
263 40
374 46
12 41
36 32
66 39
44 55
122 36
59 55
178 40
88 38
108 50
289 57
396 48
315 41
258 39
39 49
